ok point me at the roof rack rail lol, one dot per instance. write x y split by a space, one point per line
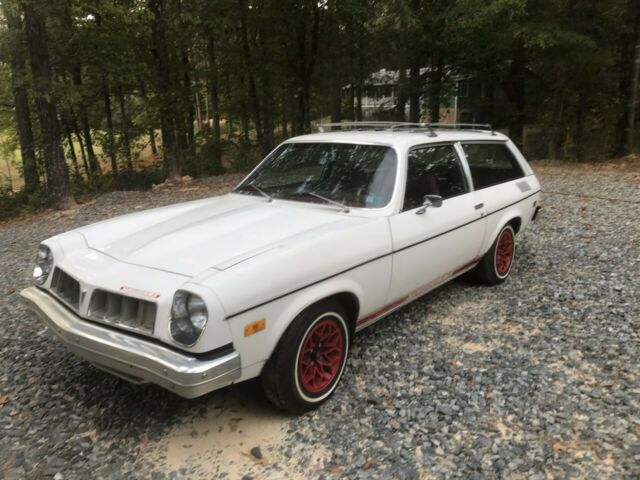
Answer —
412 127
483 127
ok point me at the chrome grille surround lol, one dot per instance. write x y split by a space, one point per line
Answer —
66 288
122 311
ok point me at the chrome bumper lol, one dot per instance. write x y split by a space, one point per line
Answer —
130 357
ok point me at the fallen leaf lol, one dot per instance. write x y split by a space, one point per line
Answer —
388 402
334 469
3 399
90 434
371 462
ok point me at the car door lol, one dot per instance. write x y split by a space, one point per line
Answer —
432 246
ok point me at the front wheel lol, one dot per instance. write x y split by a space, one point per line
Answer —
495 266
309 360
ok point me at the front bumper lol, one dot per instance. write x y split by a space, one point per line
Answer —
132 358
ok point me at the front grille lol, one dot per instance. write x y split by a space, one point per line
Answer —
123 311
66 288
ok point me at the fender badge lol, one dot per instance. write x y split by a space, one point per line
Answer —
140 293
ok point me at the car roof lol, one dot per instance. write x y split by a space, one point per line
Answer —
400 138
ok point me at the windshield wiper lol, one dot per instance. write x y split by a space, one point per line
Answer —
342 206
257 189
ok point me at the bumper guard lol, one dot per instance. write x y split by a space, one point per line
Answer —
131 358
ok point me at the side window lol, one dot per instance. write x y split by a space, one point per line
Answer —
491 164
434 170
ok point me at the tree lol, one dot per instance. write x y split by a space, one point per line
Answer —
52 152
19 84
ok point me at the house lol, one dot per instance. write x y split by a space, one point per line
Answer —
464 99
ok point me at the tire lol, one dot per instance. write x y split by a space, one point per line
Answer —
495 266
306 366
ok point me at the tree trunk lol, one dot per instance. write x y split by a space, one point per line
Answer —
21 98
244 120
150 131
626 65
414 93
85 163
435 91
351 114
213 92
111 143
94 165
248 63
335 94
267 103
188 116
199 122
579 136
515 90
633 101
160 53
491 108
72 150
360 83
124 130
402 95
152 141
306 47
52 153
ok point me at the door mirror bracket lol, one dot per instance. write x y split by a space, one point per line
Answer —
434 201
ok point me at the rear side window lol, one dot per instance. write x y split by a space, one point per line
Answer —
491 164
433 170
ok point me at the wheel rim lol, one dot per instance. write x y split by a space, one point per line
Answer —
504 252
321 356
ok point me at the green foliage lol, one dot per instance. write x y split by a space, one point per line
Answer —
266 70
14 203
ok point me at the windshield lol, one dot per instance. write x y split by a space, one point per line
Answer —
351 175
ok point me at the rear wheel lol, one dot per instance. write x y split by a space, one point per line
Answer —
495 266
309 360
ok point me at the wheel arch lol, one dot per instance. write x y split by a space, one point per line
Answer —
257 349
516 223
511 217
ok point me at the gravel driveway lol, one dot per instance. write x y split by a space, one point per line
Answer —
537 378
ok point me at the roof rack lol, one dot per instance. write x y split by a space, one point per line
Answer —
412 127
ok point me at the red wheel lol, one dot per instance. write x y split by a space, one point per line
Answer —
321 355
505 249
495 266
306 366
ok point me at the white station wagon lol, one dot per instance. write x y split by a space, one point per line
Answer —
329 234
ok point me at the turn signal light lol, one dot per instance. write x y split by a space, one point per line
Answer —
255 327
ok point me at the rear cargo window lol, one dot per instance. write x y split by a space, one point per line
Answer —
491 164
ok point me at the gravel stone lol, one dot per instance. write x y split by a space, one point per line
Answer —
535 378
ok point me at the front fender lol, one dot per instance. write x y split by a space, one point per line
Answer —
368 284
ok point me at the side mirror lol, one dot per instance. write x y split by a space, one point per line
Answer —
434 201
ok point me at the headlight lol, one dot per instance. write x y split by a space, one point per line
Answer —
188 317
44 263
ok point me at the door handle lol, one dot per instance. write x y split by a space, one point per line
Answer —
479 206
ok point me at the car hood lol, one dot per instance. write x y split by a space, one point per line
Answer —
215 233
